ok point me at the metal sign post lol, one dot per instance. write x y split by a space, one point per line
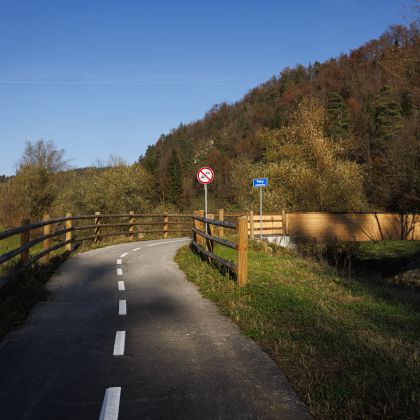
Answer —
260 183
261 229
205 201
205 175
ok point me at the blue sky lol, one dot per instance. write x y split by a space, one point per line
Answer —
108 77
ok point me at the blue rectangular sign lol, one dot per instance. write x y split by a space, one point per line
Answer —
260 182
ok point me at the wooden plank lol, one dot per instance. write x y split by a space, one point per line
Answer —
228 264
220 241
229 225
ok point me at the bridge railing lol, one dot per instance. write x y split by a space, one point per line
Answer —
64 231
208 231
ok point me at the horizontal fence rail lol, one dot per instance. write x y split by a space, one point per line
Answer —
208 231
63 230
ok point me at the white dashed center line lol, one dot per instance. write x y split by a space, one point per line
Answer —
119 261
111 404
119 272
119 344
121 285
122 307
137 249
123 255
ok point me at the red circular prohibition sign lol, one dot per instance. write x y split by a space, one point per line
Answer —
205 175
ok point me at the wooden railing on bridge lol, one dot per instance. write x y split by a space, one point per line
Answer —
269 224
208 231
66 227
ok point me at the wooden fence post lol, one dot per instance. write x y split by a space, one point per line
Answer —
140 234
46 242
195 225
251 224
69 235
201 226
284 222
221 218
97 228
165 225
24 239
132 220
242 264
209 244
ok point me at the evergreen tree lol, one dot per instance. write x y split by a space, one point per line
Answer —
174 185
388 116
338 117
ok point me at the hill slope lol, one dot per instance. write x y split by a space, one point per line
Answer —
371 98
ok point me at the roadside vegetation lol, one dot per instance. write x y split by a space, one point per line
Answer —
349 346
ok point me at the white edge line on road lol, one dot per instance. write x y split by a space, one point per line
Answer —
123 255
122 307
119 344
169 242
137 249
119 272
119 261
111 404
121 285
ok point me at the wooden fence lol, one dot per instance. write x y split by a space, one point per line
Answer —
333 227
208 231
352 227
64 231
270 223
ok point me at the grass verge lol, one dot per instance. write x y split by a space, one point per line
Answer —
19 296
349 348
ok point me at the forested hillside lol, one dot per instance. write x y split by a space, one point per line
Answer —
338 135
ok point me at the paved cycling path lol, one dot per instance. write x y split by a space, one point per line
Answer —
125 336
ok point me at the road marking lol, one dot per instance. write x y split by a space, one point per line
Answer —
123 255
158 243
119 261
122 308
111 404
137 249
119 272
169 242
119 344
121 285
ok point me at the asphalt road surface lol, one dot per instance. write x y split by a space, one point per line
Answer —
125 336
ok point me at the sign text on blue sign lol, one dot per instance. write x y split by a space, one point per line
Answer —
260 182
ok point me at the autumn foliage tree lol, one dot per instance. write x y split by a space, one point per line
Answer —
304 167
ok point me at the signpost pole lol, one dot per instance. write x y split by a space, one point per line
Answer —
261 228
205 207
205 201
